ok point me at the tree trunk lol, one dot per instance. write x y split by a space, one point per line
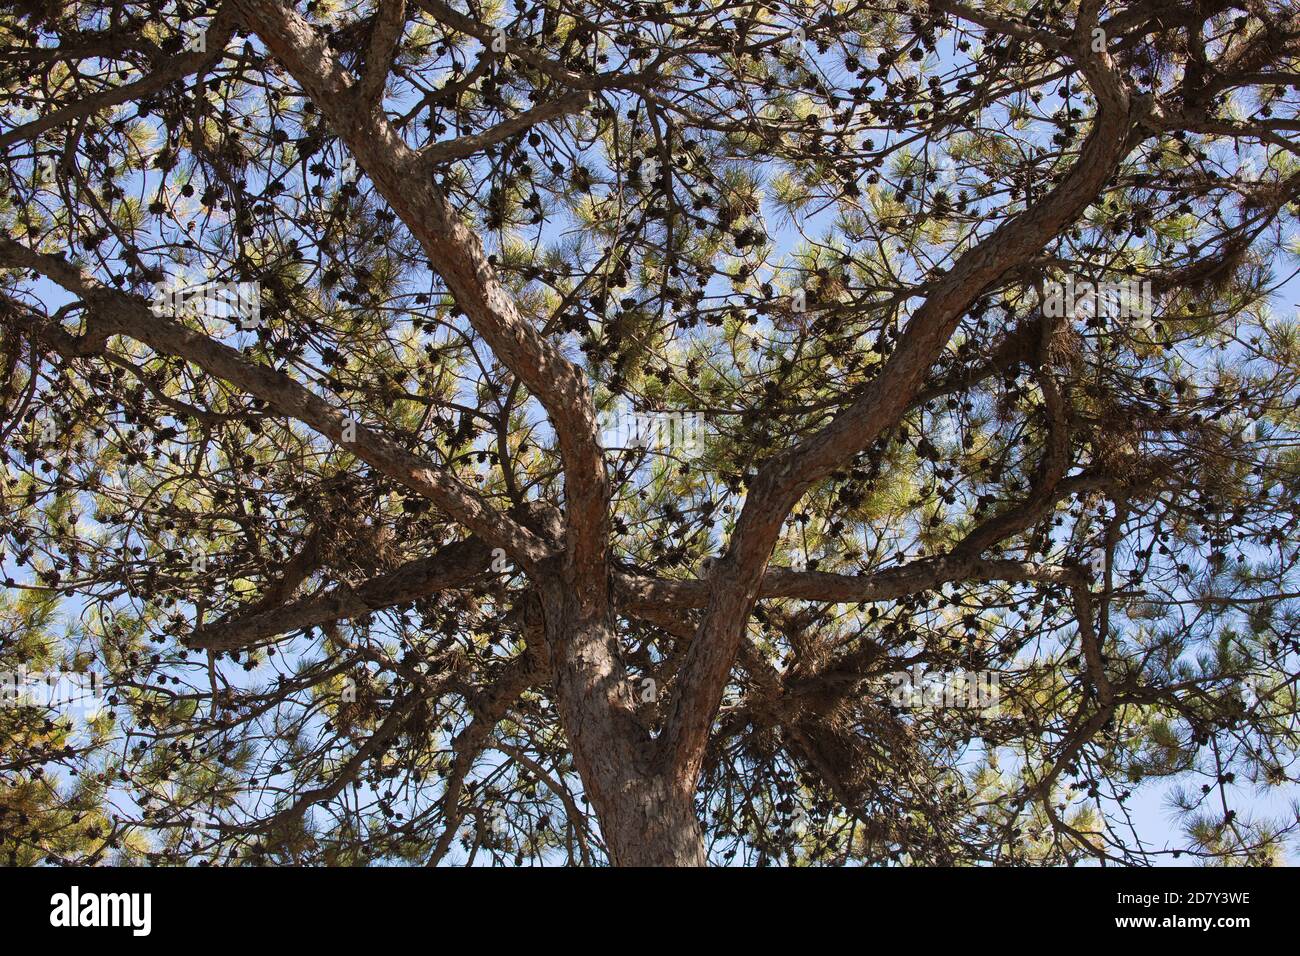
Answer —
646 818
652 823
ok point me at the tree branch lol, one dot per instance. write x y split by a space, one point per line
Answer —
120 313
456 566
780 483
221 28
456 252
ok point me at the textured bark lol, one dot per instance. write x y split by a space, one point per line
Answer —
646 818
653 823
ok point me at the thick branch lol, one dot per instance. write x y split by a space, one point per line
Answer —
638 594
116 313
785 478
389 23
456 252
455 566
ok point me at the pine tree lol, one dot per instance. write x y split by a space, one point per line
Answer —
649 434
